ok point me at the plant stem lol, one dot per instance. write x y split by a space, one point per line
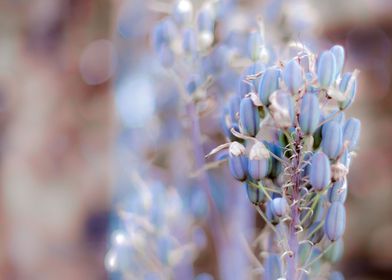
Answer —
292 261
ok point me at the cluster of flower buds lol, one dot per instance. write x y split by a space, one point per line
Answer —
144 244
291 145
184 32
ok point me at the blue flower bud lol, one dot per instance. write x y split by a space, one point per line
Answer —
166 56
205 21
189 42
272 267
255 42
338 191
165 245
206 26
276 166
244 87
338 52
346 158
270 214
234 108
332 139
183 12
351 132
293 76
335 221
259 164
309 117
269 83
238 163
249 117
282 109
336 115
326 70
254 69
255 195
164 32
316 232
348 92
335 253
336 275
320 171
279 206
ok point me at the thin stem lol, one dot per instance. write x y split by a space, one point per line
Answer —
310 212
319 256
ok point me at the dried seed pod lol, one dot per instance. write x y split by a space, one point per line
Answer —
335 253
336 275
351 132
320 171
255 195
293 76
338 52
332 139
326 70
338 191
282 109
316 232
309 117
237 161
279 206
349 93
272 267
269 83
338 171
259 164
335 221
249 117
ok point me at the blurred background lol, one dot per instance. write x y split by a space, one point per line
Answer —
92 130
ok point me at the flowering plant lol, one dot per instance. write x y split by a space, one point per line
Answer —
291 146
